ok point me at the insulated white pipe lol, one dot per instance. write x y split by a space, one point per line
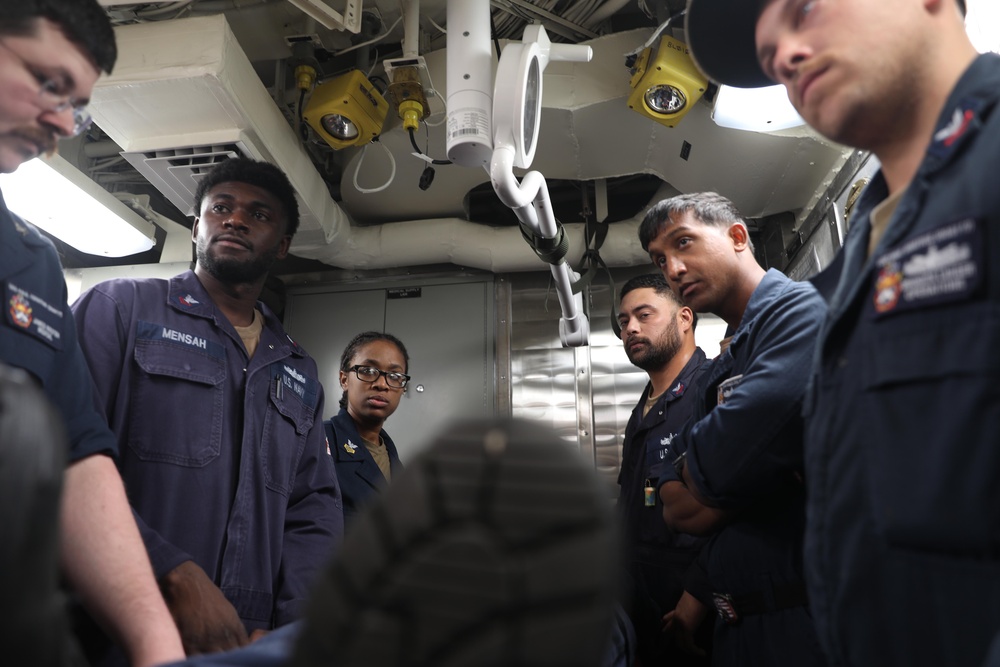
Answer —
604 11
470 83
462 243
411 29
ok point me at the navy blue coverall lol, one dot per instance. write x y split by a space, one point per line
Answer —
38 336
903 420
224 457
658 558
743 451
359 476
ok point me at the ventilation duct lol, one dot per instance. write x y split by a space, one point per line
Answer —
184 96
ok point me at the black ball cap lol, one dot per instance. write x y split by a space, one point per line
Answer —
720 35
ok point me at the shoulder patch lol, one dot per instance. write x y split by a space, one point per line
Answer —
188 301
943 265
33 315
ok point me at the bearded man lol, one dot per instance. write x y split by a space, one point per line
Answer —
218 415
658 336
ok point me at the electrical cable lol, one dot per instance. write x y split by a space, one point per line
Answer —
434 23
370 41
392 171
303 126
160 11
656 33
381 79
413 142
444 117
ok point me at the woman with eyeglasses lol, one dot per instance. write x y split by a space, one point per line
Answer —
373 377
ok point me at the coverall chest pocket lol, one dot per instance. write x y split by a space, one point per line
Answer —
659 452
291 411
932 406
176 404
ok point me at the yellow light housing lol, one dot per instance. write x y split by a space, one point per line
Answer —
666 85
346 111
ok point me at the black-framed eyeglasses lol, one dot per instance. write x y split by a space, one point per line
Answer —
50 99
369 374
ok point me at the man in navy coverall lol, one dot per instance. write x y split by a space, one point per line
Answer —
739 473
658 335
903 420
218 417
51 54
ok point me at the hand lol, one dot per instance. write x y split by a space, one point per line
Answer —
683 621
683 512
257 634
207 621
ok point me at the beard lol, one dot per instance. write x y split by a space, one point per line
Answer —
13 152
658 353
45 139
230 270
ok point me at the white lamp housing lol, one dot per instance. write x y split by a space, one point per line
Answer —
756 109
470 83
517 98
52 194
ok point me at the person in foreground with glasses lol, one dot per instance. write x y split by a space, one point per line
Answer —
373 376
218 414
51 54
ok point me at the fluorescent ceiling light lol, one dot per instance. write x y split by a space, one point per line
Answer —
757 109
54 195
982 23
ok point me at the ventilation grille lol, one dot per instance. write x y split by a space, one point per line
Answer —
176 171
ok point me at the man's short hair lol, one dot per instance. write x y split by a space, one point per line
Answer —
263 175
708 207
84 22
654 281
720 36
658 283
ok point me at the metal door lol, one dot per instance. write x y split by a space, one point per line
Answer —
447 329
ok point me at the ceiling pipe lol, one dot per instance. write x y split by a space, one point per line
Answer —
411 28
470 245
605 11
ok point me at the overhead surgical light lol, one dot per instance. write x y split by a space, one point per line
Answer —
346 111
665 84
517 104
517 110
757 109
